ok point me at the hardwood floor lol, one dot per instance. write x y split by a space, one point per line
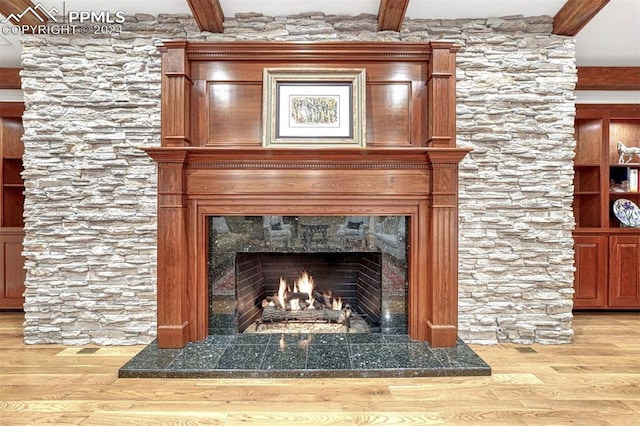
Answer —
594 381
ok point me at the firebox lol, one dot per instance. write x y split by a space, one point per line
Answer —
354 269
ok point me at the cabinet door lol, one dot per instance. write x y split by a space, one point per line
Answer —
624 272
590 279
12 273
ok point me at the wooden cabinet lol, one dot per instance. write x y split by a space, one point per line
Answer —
624 272
12 273
590 282
606 252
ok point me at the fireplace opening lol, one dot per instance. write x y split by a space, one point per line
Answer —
256 264
336 292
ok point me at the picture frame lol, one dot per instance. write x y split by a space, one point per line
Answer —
314 108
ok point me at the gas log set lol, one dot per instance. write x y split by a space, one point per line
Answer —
304 304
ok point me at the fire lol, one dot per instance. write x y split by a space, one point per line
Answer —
282 290
336 304
305 284
304 303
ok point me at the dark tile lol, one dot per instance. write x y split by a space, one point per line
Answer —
414 355
217 339
285 356
198 356
328 357
396 338
459 357
370 356
305 355
251 339
395 321
329 339
150 359
364 338
242 357
221 322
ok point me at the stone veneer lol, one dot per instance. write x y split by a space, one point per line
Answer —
90 210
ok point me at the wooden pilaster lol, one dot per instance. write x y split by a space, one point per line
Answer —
176 88
441 90
173 323
441 328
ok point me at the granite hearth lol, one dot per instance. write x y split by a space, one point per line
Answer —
335 355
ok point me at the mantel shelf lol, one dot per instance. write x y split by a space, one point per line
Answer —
389 157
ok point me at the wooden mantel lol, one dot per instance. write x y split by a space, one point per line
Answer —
212 163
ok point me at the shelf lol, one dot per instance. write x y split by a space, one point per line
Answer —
604 251
11 171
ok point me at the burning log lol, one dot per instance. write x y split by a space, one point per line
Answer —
304 304
324 299
271 314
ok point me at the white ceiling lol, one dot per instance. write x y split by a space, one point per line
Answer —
612 38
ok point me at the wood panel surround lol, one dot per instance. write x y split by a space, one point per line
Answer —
212 162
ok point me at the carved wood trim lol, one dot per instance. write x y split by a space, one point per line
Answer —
307 51
391 14
575 14
208 14
608 78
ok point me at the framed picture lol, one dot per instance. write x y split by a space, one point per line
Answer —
311 108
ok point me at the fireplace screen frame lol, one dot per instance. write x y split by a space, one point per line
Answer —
412 172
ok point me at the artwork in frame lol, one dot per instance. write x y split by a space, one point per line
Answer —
312 108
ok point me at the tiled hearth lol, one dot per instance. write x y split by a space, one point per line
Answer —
302 355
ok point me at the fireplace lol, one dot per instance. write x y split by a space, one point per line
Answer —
357 262
212 164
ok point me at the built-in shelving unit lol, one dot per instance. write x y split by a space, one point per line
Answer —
12 272
607 253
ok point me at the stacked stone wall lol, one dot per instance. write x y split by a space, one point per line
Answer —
92 104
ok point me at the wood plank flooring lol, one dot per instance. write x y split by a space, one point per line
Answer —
594 381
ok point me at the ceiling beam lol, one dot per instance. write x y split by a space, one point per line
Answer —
10 78
575 14
391 14
18 7
208 14
608 78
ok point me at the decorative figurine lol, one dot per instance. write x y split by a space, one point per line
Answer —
624 151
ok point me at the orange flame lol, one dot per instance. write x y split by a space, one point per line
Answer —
336 304
281 292
305 284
